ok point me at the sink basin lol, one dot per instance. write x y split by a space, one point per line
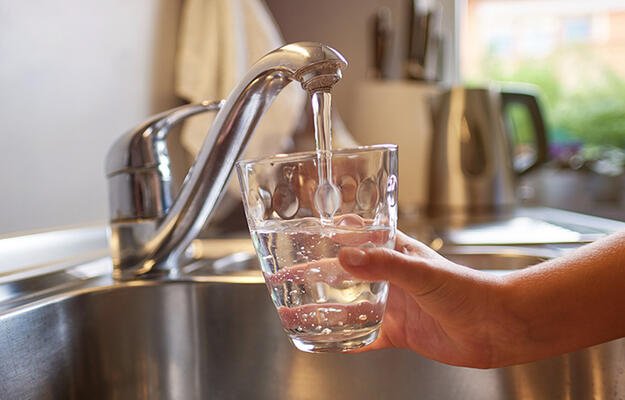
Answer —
498 259
218 337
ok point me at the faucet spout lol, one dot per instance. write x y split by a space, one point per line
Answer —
155 247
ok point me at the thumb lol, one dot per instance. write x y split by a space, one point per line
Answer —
417 274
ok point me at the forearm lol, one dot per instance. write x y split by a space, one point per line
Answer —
568 303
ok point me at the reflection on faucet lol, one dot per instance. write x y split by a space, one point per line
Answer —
150 232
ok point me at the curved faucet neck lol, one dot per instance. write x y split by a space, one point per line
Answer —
159 246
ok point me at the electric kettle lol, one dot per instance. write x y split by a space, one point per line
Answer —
473 171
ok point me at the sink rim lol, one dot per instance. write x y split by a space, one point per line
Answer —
85 278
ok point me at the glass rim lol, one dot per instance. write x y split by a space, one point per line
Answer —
304 155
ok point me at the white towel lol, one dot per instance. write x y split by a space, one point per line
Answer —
219 41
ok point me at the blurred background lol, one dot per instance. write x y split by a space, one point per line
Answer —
75 76
574 51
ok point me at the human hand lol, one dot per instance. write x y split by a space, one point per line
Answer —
444 311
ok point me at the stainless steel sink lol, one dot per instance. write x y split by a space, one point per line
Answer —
217 336
499 259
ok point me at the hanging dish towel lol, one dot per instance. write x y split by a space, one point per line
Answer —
219 41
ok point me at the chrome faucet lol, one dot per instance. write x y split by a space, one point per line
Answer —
150 230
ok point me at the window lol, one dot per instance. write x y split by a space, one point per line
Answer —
574 51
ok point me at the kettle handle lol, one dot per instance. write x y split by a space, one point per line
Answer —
530 101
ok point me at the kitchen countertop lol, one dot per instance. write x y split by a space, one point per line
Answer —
579 191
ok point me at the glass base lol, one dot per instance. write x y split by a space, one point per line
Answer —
318 345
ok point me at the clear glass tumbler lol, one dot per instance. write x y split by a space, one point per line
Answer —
321 306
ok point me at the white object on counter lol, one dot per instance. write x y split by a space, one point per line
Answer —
217 248
399 112
49 250
517 231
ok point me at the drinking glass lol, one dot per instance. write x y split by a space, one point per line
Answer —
320 305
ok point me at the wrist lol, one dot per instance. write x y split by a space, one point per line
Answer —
510 339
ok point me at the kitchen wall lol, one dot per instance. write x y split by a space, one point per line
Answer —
346 25
74 75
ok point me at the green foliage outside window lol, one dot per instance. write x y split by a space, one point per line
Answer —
584 101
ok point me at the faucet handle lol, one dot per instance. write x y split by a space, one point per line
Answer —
138 165
142 146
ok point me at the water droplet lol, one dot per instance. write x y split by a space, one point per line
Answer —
285 201
340 323
326 331
367 194
327 200
362 317
348 187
